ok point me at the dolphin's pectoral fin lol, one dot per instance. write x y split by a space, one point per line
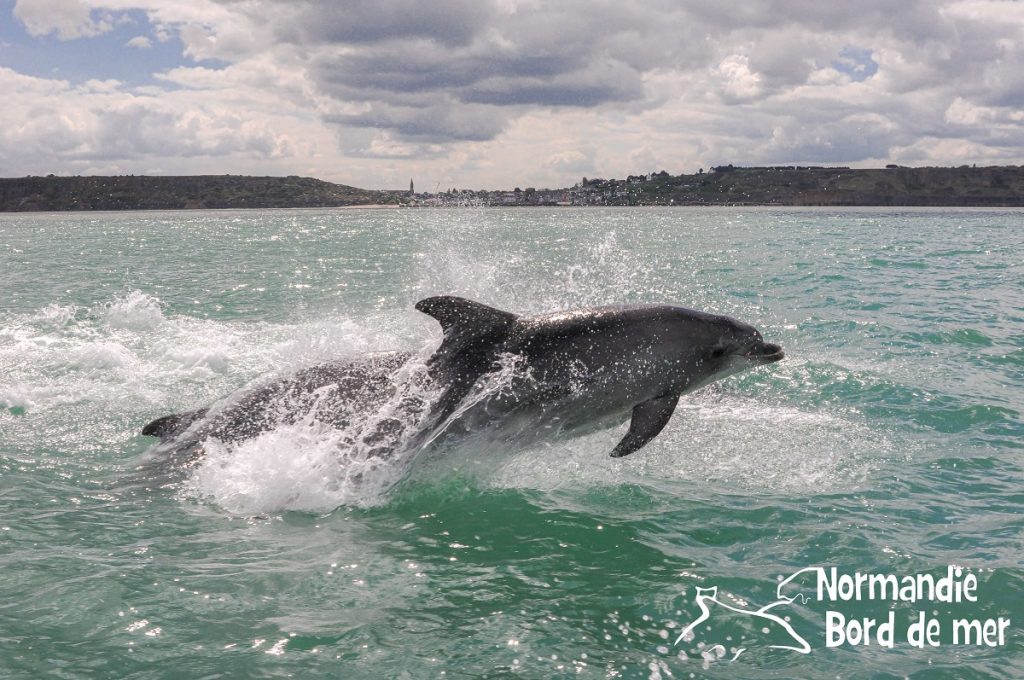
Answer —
472 335
649 418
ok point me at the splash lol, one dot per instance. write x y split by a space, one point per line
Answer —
717 438
328 453
93 374
135 311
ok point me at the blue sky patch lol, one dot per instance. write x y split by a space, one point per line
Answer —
101 57
856 62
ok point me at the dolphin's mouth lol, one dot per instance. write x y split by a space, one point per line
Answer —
765 353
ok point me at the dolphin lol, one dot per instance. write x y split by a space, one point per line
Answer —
337 393
516 377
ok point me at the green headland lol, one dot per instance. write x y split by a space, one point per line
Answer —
994 186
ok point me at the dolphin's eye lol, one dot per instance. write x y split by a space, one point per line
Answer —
718 353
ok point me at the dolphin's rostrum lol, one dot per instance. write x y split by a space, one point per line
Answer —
566 372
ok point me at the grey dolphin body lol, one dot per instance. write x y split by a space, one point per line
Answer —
581 370
522 377
338 393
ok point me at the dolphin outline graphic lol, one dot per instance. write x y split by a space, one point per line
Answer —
763 613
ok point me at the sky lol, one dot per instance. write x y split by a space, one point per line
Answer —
501 93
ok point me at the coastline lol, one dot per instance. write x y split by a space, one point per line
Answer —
774 186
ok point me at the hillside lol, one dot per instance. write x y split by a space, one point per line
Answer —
892 186
724 185
172 193
777 185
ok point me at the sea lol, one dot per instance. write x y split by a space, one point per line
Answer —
853 511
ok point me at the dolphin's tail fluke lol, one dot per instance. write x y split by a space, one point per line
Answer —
171 426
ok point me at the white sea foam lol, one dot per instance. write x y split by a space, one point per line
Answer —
730 441
22 397
301 467
127 359
135 311
293 467
103 355
55 315
111 356
312 466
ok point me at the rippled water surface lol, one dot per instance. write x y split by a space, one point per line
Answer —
890 441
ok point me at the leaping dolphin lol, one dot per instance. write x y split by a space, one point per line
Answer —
568 371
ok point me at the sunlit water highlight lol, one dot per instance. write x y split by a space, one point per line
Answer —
889 440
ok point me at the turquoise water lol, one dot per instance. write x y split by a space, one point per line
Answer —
890 441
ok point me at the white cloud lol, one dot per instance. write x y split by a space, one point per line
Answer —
571 162
102 121
140 42
737 82
499 93
69 19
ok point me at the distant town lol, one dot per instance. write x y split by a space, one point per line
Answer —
993 186
769 185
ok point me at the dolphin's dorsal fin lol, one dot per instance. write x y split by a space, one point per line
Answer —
455 313
473 335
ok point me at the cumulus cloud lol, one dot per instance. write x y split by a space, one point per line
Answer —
486 57
573 162
69 19
443 121
448 22
736 81
527 91
110 125
459 71
140 42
